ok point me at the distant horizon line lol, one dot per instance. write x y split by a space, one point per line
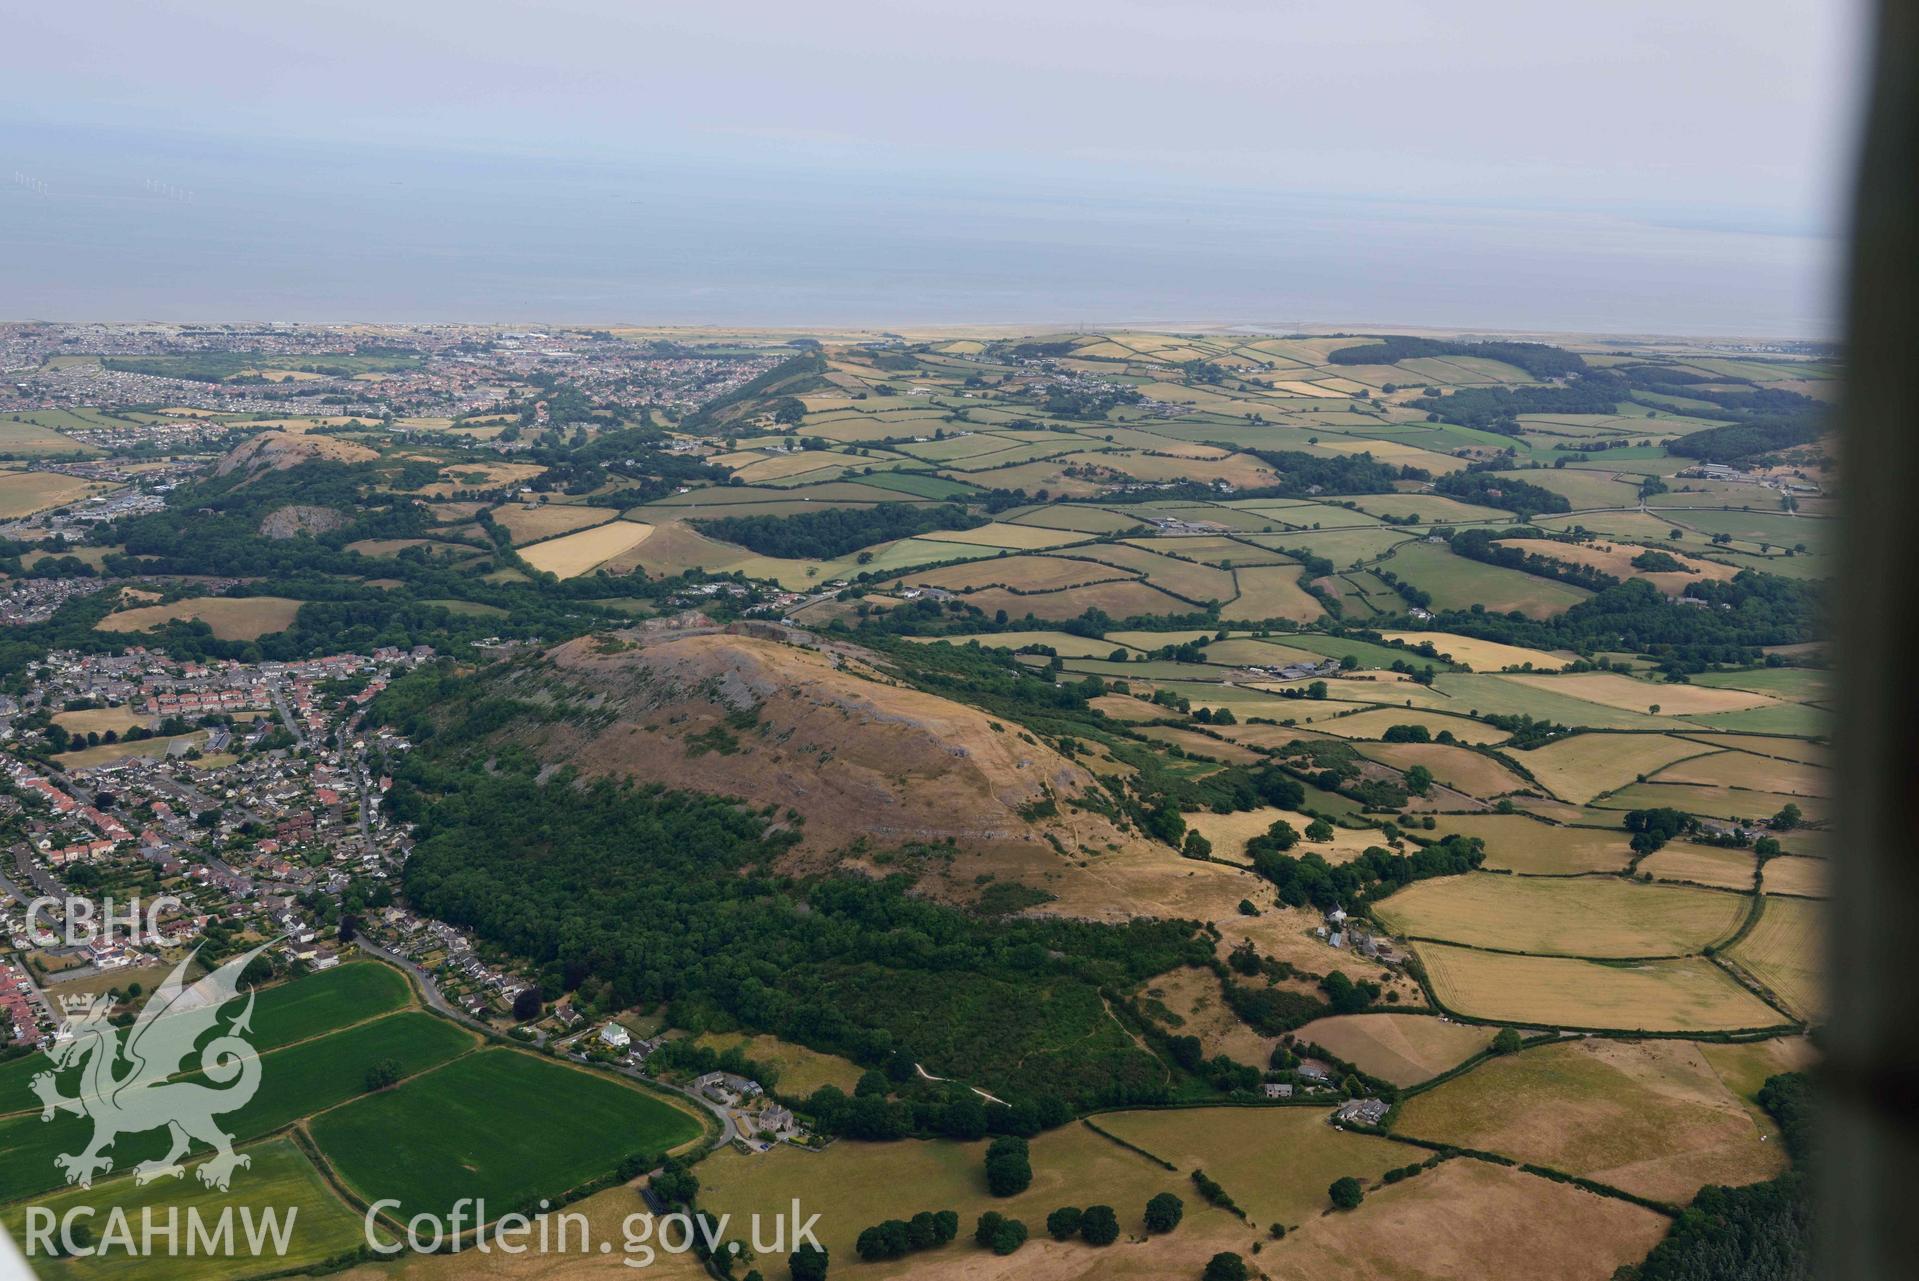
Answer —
1321 329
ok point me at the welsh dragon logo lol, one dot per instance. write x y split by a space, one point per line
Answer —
150 1093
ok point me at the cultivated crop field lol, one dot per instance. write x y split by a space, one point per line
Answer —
1563 916
441 1136
23 493
280 1180
571 555
1688 995
547 520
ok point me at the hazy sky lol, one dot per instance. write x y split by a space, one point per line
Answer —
1631 164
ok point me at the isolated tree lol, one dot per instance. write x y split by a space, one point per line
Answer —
1008 1169
808 1263
382 1074
1225 1266
1346 1193
527 1004
1063 1223
1506 1042
1319 830
1164 1212
1099 1225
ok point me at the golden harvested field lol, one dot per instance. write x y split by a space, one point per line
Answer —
1197 1007
1272 591
1065 644
1579 768
23 493
1742 769
1470 1221
1195 582
854 1185
1455 767
1121 600
548 520
1482 655
1701 865
1690 995
1610 689
1276 1162
100 720
1714 802
1402 1048
239 618
1563 916
575 554
1791 749
1019 573
1516 843
1791 874
1014 537
1616 559
1784 951
1651 1117
1230 832
1375 723
802 1071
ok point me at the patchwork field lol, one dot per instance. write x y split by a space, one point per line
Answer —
1651 1117
1276 1162
240 618
1468 1220
574 554
854 1185
1563 916
1791 874
1785 950
548 520
22 493
280 1180
1454 582
1700 865
1584 766
1402 1048
1482 655
1690 995
438 1137
1516 843
1609 689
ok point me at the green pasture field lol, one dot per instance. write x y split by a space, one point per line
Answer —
316 1003
1457 583
282 1014
280 1180
1489 693
19 436
294 1082
1783 718
501 1125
